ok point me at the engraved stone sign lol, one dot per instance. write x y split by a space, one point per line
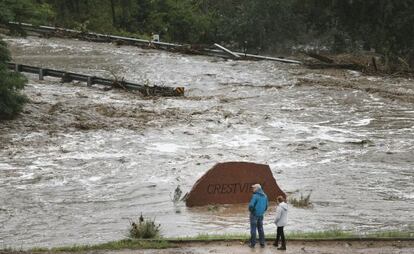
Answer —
230 183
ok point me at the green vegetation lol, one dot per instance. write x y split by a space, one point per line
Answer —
390 234
11 83
327 234
262 25
213 237
117 245
321 235
36 12
213 208
340 234
302 202
144 229
11 100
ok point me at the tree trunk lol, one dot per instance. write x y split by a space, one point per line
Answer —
113 12
125 13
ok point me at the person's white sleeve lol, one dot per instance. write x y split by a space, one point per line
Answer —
278 214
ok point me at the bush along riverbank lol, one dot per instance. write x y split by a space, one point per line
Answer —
11 84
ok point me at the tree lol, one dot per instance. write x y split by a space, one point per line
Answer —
11 100
11 83
35 12
261 25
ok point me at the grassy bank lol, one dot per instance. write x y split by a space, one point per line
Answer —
133 244
297 235
163 243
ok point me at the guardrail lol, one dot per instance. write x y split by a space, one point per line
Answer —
51 29
183 48
90 80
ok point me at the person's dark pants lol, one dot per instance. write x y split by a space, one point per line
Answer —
280 235
256 222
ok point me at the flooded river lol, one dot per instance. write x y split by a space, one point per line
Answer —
80 162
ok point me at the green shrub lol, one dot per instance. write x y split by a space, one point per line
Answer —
302 202
213 208
11 100
144 229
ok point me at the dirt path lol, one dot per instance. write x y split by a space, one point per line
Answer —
315 247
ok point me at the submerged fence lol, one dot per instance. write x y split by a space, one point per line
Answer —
91 80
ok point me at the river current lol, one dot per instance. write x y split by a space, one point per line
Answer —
80 163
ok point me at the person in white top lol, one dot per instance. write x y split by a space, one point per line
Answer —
281 221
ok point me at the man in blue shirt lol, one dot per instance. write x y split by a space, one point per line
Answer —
257 207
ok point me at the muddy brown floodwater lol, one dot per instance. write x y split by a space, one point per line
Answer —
80 162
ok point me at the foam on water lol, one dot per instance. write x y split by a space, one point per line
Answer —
287 163
352 149
165 147
360 122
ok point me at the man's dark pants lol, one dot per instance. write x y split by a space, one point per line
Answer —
256 222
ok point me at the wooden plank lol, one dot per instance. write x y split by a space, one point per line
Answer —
226 50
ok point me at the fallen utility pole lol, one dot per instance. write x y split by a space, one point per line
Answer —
91 80
181 48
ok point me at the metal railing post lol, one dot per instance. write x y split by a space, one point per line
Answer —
41 74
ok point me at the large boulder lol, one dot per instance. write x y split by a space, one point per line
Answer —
230 183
